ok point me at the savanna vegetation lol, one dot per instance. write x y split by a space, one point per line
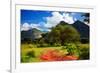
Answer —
62 43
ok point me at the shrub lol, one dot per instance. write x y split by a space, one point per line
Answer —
84 54
30 54
72 49
84 51
57 44
25 59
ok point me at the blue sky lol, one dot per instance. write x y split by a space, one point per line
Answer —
43 20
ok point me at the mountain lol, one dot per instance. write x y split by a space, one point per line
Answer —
31 34
62 23
82 28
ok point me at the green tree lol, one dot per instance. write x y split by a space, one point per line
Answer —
63 33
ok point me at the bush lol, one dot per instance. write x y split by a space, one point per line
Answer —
57 44
25 59
30 54
72 49
79 50
84 54
84 51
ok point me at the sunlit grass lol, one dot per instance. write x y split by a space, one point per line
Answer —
25 48
31 53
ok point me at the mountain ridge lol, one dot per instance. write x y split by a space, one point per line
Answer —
34 33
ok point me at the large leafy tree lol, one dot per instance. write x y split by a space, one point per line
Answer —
63 33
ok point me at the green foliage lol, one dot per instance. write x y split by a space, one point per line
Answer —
62 34
27 56
30 54
84 54
84 51
43 45
80 50
25 59
57 44
72 49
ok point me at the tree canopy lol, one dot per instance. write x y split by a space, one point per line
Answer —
63 33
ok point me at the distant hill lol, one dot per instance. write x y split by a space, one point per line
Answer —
82 28
31 34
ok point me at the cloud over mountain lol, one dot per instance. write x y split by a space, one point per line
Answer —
45 20
58 17
27 26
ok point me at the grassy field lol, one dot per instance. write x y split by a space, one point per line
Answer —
25 48
31 53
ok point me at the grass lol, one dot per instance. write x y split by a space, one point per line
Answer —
31 53
25 48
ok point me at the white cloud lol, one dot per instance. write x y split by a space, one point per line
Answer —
54 19
57 17
34 25
26 26
87 23
67 18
